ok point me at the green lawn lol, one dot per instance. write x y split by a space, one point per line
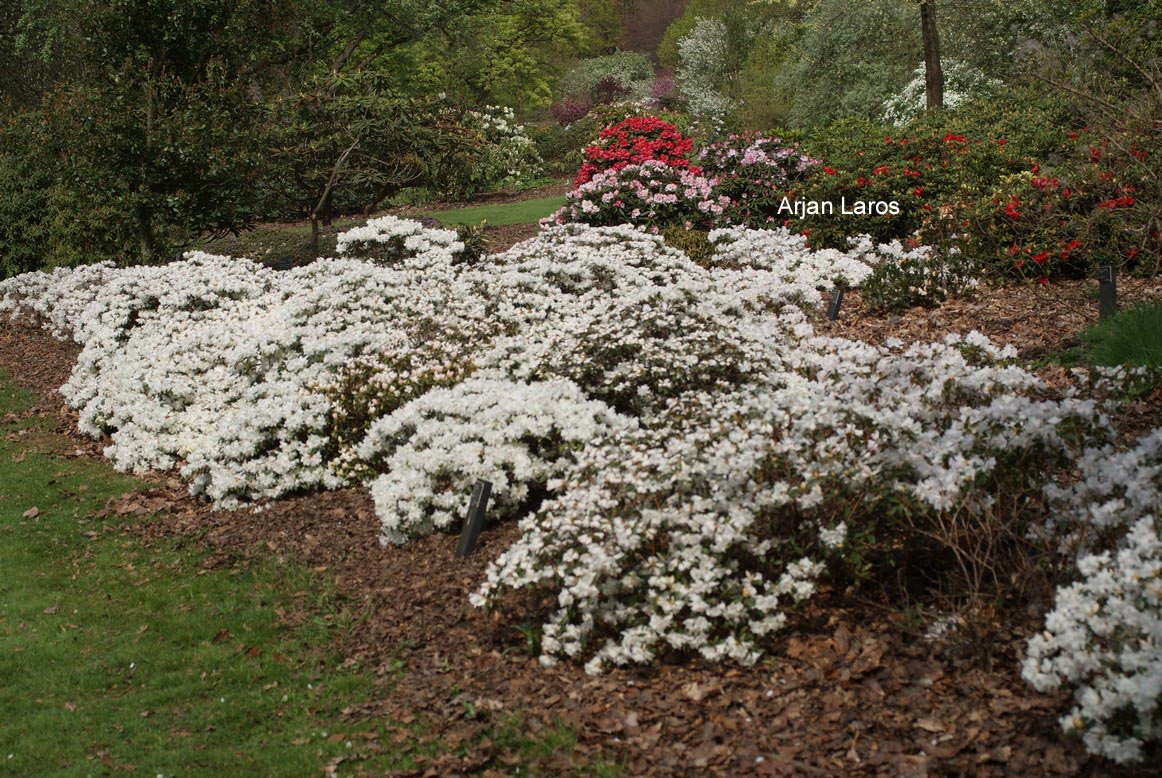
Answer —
523 212
117 655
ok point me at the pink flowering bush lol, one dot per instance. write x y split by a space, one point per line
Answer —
755 172
650 194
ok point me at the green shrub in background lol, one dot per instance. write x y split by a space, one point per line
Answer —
497 153
1033 121
631 70
25 180
560 147
131 171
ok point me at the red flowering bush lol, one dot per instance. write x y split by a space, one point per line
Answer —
633 141
1097 209
1027 227
925 173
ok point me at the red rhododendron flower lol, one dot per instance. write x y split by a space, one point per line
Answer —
1118 202
633 141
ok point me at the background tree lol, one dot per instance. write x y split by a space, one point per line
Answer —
933 74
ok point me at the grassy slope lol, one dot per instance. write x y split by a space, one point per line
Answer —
117 655
500 215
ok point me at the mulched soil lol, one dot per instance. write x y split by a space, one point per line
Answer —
847 690
1037 320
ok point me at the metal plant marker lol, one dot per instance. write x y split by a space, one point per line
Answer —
1107 293
474 521
836 301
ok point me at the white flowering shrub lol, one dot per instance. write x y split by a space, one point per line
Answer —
218 364
961 84
517 436
507 156
702 54
1104 639
58 297
687 458
786 254
1115 490
403 243
921 276
655 544
690 533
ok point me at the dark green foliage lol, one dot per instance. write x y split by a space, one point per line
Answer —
1132 337
352 141
560 147
693 243
144 136
25 180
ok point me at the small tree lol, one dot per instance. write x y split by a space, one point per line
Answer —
353 140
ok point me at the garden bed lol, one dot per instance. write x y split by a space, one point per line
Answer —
851 687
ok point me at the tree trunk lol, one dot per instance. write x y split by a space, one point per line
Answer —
933 75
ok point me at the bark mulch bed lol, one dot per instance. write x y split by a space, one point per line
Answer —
849 689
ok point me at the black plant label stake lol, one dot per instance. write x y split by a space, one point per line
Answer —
1107 293
836 301
474 521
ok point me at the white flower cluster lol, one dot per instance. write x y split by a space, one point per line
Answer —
1104 638
1115 490
404 242
786 254
1104 635
962 83
507 156
59 297
514 435
218 363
